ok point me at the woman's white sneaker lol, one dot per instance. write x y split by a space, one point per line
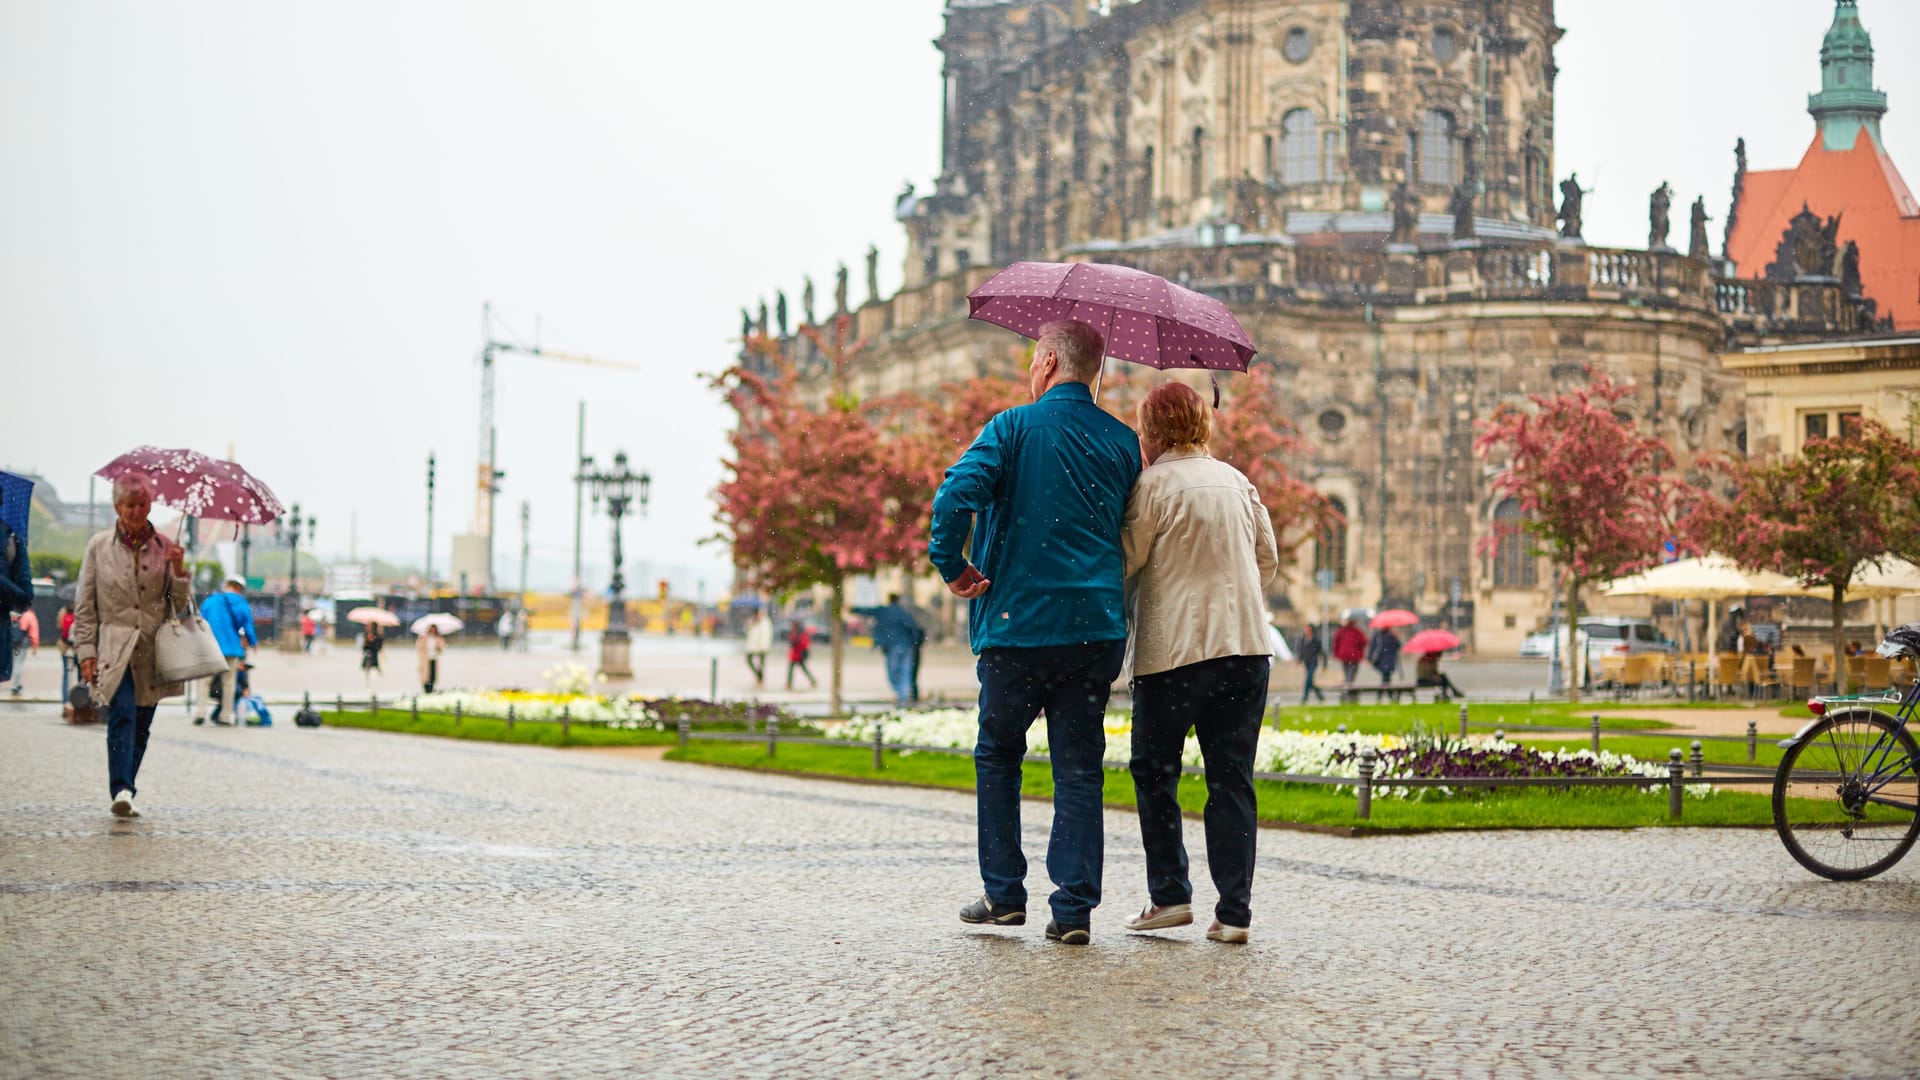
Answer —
1159 918
123 804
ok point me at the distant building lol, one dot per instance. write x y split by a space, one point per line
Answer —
1369 185
66 514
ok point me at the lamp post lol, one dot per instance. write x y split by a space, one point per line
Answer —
618 487
290 611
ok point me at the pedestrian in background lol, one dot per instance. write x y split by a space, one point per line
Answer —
1426 669
1041 494
799 647
308 631
1199 552
427 650
130 577
1311 656
65 644
1350 647
759 644
896 634
370 645
505 629
16 589
1383 652
230 618
26 635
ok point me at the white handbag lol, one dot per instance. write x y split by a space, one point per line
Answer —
184 648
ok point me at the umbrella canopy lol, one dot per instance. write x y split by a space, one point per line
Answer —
1704 577
1393 617
374 615
1876 581
442 621
193 483
16 503
1431 641
1144 317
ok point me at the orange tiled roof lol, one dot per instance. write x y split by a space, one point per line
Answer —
1877 211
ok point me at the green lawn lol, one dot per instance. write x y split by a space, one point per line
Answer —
487 730
1482 717
1300 804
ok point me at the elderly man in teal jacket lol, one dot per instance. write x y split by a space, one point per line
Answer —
1042 491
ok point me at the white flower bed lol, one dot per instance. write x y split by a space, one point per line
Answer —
612 712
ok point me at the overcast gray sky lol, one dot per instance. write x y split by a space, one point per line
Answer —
273 225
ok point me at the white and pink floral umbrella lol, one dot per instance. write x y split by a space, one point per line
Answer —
193 483
1144 317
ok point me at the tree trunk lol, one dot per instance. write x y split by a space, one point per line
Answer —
1840 672
1576 661
839 616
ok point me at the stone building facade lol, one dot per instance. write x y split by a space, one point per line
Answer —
1368 184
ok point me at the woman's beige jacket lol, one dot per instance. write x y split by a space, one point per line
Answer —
119 603
1199 552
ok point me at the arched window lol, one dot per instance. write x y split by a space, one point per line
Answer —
1330 546
1514 566
1197 176
1439 151
1299 148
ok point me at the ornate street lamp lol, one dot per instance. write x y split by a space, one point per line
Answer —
619 488
290 531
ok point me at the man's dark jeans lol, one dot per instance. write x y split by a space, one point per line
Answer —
127 727
1222 701
1070 683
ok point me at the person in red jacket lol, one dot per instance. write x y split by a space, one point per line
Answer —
1350 647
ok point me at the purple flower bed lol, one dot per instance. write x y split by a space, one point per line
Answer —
1465 762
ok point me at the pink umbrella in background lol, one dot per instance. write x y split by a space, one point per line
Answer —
1393 617
205 487
1431 641
1144 317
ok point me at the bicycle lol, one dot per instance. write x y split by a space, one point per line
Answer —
1846 798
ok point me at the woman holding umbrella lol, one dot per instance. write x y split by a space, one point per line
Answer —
1199 550
1426 646
371 643
130 576
427 649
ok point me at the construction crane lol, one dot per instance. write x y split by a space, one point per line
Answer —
487 474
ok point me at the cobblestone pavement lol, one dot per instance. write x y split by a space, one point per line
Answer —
334 903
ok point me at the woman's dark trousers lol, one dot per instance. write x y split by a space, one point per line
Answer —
1222 701
127 727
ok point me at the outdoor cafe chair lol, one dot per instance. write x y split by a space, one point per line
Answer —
1879 673
1728 677
1803 675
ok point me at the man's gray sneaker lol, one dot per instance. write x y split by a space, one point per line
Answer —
986 911
1160 918
1068 935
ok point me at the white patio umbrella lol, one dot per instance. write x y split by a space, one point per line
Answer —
1712 578
1887 579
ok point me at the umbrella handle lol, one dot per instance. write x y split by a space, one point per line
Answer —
1097 376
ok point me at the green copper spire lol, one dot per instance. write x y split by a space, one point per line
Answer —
1847 103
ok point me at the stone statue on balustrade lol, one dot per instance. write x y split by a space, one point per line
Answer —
1698 247
763 317
1571 196
1659 217
1461 207
779 310
873 273
806 298
840 290
1849 269
1406 216
1809 248
746 324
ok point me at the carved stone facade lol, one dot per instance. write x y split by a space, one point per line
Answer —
1261 151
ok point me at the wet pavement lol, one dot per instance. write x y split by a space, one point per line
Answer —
334 902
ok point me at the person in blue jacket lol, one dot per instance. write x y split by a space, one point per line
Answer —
230 618
16 591
1042 493
897 634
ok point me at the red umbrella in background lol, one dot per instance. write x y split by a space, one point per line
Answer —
1144 317
1431 641
193 483
1393 617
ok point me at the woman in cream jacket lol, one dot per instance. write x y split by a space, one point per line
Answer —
1199 551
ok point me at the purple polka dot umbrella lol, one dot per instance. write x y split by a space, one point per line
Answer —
1144 317
193 483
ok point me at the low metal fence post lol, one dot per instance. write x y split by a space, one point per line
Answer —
1596 734
713 679
1753 740
1365 793
456 715
773 735
566 721
416 709
339 703
878 746
686 730
1463 721
1699 759
373 704
1676 783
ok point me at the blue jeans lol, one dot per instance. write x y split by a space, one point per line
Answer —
1221 701
127 728
1070 683
900 672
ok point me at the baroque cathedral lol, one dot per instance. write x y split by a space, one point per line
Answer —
1369 185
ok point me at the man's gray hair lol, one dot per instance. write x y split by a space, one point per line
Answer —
1079 346
129 482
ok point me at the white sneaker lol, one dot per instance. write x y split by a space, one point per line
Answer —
123 805
1159 918
1232 935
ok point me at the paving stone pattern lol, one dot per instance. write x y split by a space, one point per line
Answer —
341 903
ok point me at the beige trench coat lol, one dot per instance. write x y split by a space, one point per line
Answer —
427 648
120 601
1199 552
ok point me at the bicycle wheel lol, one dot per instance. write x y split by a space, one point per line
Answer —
1846 800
